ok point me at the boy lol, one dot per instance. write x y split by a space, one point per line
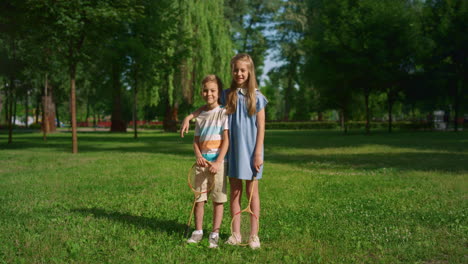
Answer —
211 143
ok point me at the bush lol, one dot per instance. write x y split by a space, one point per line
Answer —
355 125
302 125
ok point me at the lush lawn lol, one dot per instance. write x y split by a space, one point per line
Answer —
326 198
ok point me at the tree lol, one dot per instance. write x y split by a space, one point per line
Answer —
250 22
366 45
73 23
290 25
444 24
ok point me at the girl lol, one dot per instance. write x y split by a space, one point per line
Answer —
245 106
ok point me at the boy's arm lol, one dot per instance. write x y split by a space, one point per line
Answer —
186 122
258 159
196 148
222 152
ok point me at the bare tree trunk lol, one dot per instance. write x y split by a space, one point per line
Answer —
15 103
45 117
344 127
87 110
38 105
26 109
118 124
390 106
456 105
3 98
57 116
366 97
10 110
170 118
134 117
73 107
319 116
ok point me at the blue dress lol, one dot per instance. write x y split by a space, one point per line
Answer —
242 138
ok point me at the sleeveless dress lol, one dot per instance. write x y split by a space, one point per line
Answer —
242 137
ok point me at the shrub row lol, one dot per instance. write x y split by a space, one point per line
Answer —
403 125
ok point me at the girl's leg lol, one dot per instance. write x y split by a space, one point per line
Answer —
254 205
218 209
236 194
199 211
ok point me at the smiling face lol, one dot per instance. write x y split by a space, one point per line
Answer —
240 73
210 94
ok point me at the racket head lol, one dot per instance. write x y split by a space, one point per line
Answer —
200 179
247 221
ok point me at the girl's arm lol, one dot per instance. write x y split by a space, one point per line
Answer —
186 122
258 159
222 152
196 148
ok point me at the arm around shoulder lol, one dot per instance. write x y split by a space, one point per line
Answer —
184 127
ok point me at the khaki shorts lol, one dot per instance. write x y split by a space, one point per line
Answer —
218 193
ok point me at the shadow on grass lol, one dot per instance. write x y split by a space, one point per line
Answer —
171 227
155 142
160 142
427 161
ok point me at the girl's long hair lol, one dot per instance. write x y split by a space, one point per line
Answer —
251 85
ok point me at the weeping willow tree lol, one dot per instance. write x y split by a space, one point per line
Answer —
208 51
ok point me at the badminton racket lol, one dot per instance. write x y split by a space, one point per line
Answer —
200 180
247 220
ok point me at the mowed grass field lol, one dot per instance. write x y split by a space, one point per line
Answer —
326 198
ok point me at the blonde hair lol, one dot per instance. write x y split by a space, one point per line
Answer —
213 78
251 85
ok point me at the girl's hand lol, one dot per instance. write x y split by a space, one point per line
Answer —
258 161
184 127
201 162
215 167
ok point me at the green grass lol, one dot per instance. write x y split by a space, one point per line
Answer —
326 198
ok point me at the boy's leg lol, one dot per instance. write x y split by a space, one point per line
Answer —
254 204
199 212
218 209
235 202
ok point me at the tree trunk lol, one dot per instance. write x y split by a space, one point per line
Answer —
170 118
94 118
73 107
117 125
390 106
3 100
26 109
87 111
456 105
10 110
366 96
38 105
15 103
45 117
134 117
57 116
343 121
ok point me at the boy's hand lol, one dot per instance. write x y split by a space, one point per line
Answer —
202 162
215 167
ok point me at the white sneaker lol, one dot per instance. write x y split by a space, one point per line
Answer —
196 237
233 240
213 240
254 242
